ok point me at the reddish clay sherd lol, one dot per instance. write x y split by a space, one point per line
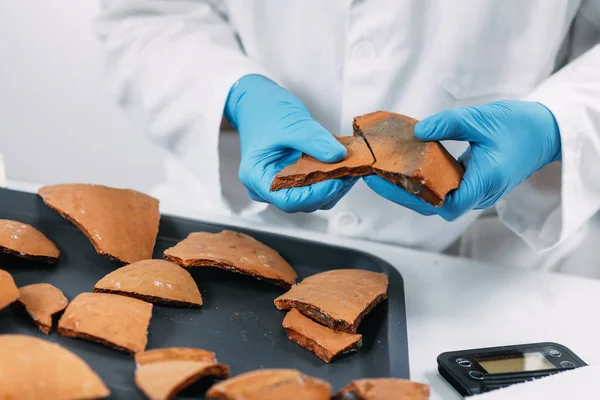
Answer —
115 321
32 368
233 251
271 384
339 298
162 373
24 241
325 342
308 170
122 224
42 301
9 293
425 169
389 149
383 389
154 281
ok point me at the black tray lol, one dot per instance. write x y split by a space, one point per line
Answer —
238 320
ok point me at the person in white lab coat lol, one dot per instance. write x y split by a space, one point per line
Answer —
286 74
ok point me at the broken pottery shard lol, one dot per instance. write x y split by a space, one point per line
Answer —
383 389
155 281
32 368
122 224
22 240
174 353
42 301
271 384
9 293
115 321
235 252
425 169
337 298
162 373
325 342
308 170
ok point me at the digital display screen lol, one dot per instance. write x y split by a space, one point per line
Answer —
517 362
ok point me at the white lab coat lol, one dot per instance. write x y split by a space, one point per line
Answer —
172 63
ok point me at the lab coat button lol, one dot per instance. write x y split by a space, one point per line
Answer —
364 51
346 219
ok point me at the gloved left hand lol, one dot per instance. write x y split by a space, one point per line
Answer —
275 128
509 141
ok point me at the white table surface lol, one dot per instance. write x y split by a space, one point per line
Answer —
454 303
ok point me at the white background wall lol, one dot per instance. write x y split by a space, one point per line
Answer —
58 121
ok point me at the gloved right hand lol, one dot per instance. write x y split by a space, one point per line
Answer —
275 128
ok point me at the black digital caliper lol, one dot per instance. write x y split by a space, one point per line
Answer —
482 370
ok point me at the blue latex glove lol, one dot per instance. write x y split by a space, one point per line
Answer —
275 128
509 141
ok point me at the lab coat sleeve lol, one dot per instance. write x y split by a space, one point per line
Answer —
171 64
543 218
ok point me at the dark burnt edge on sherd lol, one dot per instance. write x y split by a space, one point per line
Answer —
83 336
299 180
31 257
149 298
